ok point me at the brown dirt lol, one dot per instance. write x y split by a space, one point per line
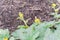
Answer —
30 8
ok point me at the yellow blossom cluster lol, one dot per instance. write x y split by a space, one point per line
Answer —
53 5
37 20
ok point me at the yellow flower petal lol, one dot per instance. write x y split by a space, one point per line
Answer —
53 5
5 38
37 20
21 15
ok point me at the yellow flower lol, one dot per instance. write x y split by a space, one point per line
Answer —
21 15
37 20
5 38
53 5
56 10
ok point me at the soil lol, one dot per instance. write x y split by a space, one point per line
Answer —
9 10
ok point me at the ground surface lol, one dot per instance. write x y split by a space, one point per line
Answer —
30 8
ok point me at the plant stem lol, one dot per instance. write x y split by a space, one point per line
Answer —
25 23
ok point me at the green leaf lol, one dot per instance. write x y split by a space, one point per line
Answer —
4 34
19 34
34 32
12 38
49 35
57 16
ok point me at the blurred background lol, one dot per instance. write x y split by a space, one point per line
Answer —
9 10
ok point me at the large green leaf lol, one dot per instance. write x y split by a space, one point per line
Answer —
42 29
19 34
4 34
49 35
34 32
